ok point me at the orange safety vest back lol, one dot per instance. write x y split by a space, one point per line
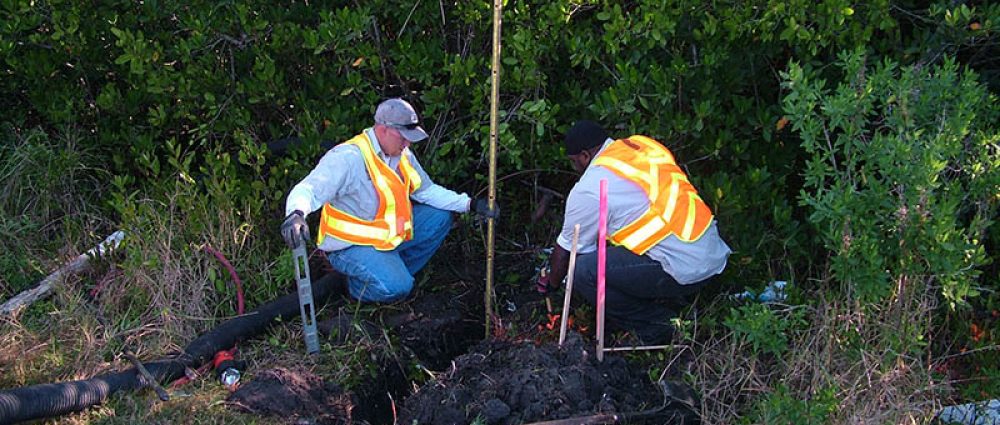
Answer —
674 205
393 223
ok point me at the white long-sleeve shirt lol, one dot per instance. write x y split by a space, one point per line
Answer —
341 179
687 262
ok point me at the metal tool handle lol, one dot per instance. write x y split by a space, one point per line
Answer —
147 379
306 306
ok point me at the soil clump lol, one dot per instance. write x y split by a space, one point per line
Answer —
294 395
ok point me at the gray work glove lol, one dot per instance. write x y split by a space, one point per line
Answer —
295 230
481 206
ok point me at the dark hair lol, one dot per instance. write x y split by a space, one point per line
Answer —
584 135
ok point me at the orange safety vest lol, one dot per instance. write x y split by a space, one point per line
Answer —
393 223
674 205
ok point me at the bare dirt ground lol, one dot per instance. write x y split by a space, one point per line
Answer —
296 395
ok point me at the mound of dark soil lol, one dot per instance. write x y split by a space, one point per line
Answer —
505 382
295 396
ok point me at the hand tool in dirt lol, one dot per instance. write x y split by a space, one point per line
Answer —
306 306
542 284
569 285
548 299
602 233
146 376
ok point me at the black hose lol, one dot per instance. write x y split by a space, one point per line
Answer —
45 400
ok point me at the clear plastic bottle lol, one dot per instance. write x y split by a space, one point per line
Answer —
773 292
229 377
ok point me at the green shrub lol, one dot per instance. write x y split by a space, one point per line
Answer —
766 331
902 174
783 407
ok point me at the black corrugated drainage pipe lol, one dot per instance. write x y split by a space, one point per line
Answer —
45 400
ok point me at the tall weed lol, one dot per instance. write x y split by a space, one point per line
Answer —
49 187
170 287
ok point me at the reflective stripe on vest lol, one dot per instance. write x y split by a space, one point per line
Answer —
674 205
393 223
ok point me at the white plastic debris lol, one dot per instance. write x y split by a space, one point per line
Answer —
981 413
773 292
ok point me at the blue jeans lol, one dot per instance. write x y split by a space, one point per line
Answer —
385 276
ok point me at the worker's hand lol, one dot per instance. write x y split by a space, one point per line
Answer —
481 206
295 230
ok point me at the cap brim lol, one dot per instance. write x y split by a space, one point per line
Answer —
414 135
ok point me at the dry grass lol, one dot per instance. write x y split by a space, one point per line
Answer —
66 343
863 353
155 297
170 288
202 402
47 185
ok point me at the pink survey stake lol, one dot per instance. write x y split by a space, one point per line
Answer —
602 232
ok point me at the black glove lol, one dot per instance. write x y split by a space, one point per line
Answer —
294 229
481 207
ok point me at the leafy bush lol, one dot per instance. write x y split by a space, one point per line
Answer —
783 407
901 176
766 331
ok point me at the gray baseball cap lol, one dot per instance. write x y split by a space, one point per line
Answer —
399 114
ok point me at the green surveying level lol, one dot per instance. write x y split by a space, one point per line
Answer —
306 306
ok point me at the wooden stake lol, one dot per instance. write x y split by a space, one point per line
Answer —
569 285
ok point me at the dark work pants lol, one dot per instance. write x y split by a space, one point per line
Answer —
639 295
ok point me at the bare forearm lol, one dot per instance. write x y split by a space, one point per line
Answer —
559 264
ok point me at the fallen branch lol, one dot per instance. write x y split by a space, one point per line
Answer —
29 296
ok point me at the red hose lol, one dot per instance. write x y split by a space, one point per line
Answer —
232 273
239 309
